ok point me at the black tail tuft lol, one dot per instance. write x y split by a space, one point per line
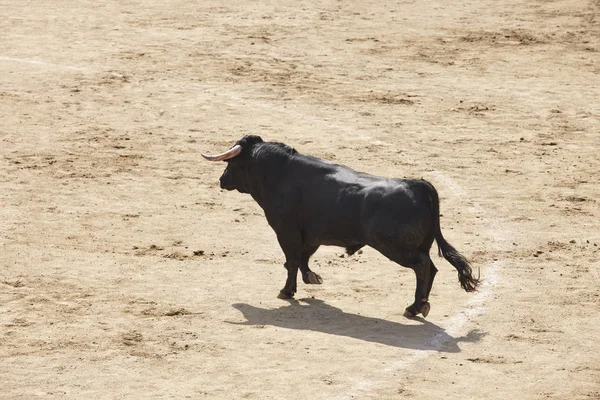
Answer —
465 273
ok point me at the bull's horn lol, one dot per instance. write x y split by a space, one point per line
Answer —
234 151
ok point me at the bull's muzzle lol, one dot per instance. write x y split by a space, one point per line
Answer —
226 184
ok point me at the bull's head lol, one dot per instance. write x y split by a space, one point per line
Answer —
237 173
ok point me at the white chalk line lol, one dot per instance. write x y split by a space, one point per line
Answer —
42 63
473 308
454 325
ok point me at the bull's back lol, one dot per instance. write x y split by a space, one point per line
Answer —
336 205
332 203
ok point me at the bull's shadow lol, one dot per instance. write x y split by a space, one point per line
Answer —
316 315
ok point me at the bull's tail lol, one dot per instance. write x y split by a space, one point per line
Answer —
465 273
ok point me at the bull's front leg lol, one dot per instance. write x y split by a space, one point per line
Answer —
290 287
291 245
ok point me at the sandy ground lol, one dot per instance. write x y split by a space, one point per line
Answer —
125 272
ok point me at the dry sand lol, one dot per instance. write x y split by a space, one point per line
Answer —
126 273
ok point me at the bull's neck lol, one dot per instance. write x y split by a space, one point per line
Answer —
258 198
267 173
264 188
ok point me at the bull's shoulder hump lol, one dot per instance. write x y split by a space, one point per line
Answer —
358 179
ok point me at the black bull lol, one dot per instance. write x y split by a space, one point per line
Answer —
311 202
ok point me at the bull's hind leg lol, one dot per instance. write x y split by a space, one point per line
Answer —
432 271
308 276
425 306
422 268
421 264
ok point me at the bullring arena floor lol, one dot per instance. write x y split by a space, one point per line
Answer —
126 273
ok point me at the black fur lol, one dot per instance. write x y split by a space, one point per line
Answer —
311 202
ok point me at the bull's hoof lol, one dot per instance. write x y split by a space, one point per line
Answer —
411 311
408 313
314 279
283 295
